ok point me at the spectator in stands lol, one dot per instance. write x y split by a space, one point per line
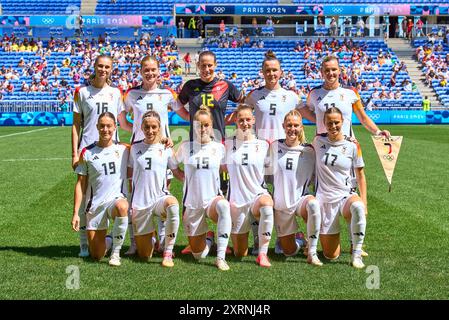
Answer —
200 26
187 60
333 27
255 27
25 87
360 27
260 43
410 29
269 21
375 94
222 28
398 94
404 27
407 86
419 25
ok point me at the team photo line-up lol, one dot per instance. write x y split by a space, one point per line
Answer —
224 178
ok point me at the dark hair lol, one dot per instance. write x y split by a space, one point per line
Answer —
330 111
106 114
208 53
151 114
270 56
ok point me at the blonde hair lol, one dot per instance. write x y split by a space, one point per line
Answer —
203 110
93 75
295 113
150 58
243 106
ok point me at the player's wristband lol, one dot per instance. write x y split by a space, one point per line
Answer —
378 132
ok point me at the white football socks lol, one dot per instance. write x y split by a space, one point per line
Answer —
172 225
119 233
202 255
265 228
224 226
313 224
358 225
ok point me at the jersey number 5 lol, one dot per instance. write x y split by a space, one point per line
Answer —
102 107
272 109
208 99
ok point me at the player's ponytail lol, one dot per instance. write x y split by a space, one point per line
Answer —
203 110
270 56
295 113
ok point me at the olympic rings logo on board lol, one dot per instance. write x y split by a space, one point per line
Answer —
219 9
337 10
374 116
48 20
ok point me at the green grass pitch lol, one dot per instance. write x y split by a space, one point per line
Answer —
407 234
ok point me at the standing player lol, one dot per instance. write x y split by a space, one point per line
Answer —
208 91
147 164
246 157
202 159
148 96
271 103
89 102
213 93
101 179
293 169
336 157
332 94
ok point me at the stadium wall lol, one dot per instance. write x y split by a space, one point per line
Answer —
380 117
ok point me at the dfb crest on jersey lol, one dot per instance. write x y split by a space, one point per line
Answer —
160 97
343 150
117 154
284 98
342 97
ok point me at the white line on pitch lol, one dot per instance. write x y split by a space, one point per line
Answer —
20 133
36 159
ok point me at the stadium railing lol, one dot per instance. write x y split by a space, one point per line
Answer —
35 106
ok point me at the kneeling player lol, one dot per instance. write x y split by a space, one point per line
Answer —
150 198
336 157
245 161
102 174
293 167
202 159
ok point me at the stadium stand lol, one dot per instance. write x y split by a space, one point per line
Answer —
51 70
38 7
366 1
434 58
301 61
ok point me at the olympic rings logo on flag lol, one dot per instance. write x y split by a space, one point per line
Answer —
388 157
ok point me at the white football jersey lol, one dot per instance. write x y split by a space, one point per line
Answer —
270 108
344 98
140 101
245 161
90 102
294 168
149 164
335 163
106 171
202 172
